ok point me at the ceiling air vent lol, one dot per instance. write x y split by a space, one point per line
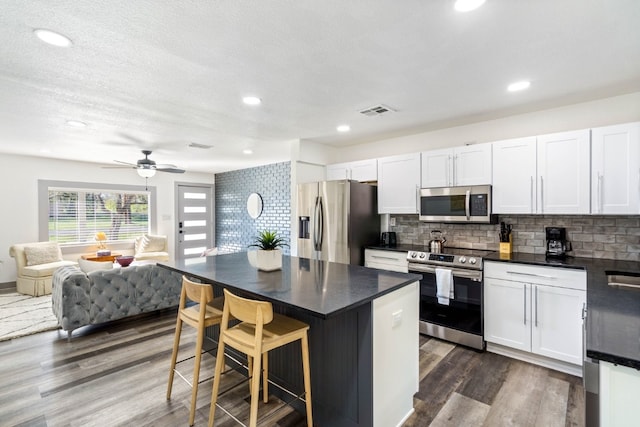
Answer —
377 110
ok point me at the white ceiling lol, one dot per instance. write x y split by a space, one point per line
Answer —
160 74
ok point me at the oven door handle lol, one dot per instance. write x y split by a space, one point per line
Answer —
467 274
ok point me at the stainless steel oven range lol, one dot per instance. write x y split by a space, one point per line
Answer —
461 321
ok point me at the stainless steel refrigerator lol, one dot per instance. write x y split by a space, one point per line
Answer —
336 220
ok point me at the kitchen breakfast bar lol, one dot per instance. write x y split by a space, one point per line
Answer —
363 337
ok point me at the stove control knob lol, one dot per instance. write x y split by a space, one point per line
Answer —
413 254
462 260
423 255
472 260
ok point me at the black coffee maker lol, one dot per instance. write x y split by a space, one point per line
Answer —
557 244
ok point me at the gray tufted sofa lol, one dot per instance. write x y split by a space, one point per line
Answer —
80 299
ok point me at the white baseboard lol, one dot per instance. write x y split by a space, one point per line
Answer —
535 359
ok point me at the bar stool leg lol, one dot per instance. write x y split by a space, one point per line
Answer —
174 355
216 380
196 377
255 390
265 377
304 343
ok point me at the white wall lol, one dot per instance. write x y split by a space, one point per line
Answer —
19 177
607 111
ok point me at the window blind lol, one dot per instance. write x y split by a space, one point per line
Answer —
76 215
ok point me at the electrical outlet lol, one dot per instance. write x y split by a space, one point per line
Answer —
392 222
396 319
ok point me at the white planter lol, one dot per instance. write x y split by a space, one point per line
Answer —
266 260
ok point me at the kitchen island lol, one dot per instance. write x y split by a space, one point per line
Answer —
363 336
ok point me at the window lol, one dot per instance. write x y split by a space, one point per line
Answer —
74 213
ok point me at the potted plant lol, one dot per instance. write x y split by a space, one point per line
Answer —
268 257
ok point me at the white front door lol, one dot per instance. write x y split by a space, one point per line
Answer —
195 226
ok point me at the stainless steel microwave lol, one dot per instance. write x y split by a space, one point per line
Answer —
470 204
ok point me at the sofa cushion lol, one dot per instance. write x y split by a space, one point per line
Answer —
44 253
158 256
152 243
44 270
89 266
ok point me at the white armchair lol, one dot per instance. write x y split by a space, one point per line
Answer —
150 247
35 264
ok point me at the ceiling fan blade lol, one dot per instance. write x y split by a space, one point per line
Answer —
171 170
120 167
126 163
166 166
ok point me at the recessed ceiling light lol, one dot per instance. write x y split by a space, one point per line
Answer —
52 38
467 5
251 100
247 151
76 123
517 86
343 128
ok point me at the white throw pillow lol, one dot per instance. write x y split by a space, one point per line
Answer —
152 243
88 266
43 254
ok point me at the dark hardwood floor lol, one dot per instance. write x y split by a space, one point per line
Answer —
116 375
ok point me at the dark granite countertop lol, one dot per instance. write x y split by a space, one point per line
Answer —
399 248
317 287
613 312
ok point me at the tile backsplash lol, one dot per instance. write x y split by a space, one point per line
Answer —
592 236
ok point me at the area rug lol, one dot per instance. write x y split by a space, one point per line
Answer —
22 315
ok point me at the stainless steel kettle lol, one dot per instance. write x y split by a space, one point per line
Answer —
436 244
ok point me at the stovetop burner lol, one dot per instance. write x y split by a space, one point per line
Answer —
454 257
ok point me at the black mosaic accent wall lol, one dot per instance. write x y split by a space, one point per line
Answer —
235 229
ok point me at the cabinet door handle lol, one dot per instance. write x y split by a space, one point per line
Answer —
536 303
453 175
524 309
384 257
531 275
532 194
541 194
448 168
418 199
600 201
584 310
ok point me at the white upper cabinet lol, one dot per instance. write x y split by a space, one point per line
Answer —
564 163
437 168
398 184
465 165
362 170
615 169
514 176
472 164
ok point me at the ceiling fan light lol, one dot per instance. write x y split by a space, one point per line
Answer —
467 5
146 173
52 38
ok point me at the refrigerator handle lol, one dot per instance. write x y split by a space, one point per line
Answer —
319 230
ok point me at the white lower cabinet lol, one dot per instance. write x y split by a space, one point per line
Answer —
619 387
535 309
386 260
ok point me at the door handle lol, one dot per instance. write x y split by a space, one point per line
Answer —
524 310
536 302
541 194
531 194
467 201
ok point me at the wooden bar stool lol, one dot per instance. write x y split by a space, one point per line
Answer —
195 316
259 331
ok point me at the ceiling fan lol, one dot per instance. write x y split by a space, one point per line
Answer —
147 168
